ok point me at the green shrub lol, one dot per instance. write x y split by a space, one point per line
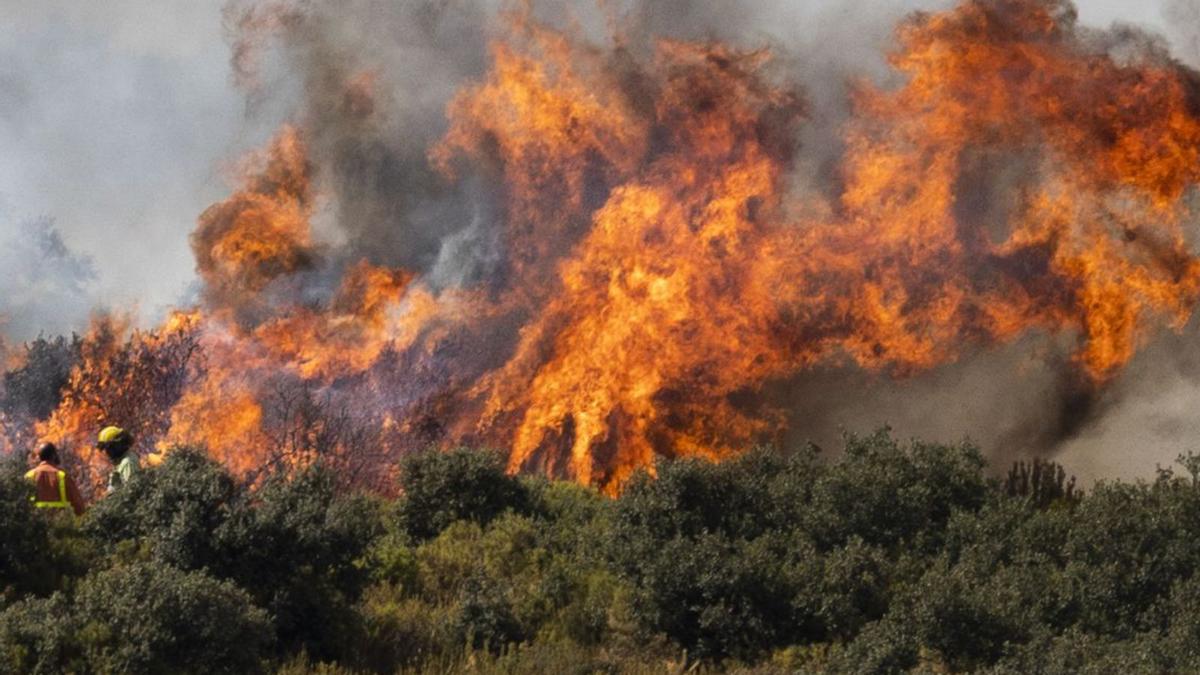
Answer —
402 631
145 618
887 495
440 488
296 545
836 594
25 559
884 646
176 508
1128 545
764 551
40 636
1078 652
155 618
484 617
573 519
716 597
891 558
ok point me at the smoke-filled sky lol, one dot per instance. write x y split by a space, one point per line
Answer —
119 119
120 122
116 119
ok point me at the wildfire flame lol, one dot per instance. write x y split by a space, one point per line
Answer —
660 258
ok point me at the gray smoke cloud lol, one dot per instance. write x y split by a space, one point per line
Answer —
44 284
118 122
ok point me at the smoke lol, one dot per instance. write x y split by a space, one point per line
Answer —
374 80
1182 19
115 118
44 285
1149 416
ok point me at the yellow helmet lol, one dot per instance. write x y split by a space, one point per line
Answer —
111 434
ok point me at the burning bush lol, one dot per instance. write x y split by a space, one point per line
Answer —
131 379
33 390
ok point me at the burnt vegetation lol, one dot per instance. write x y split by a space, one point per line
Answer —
890 557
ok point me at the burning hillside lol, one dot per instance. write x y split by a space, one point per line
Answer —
655 258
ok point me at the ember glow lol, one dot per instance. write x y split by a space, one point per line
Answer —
662 259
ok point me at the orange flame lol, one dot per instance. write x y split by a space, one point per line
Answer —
664 259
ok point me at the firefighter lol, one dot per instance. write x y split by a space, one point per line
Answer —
117 444
52 487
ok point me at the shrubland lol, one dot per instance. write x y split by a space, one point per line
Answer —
890 557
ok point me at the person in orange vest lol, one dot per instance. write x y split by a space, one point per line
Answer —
53 488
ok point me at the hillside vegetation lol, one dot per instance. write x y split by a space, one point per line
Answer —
890 558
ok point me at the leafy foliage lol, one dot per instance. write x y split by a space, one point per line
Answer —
443 487
292 544
38 635
893 557
23 537
156 618
295 545
143 618
175 509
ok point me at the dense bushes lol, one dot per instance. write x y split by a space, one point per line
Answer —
23 538
890 558
175 511
292 544
441 488
155 618
142 618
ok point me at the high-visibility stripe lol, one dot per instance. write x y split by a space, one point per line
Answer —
62 502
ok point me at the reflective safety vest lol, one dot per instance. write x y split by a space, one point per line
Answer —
62 502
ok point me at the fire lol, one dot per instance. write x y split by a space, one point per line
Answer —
657 314
663 259
125 376
1091 239
261 234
